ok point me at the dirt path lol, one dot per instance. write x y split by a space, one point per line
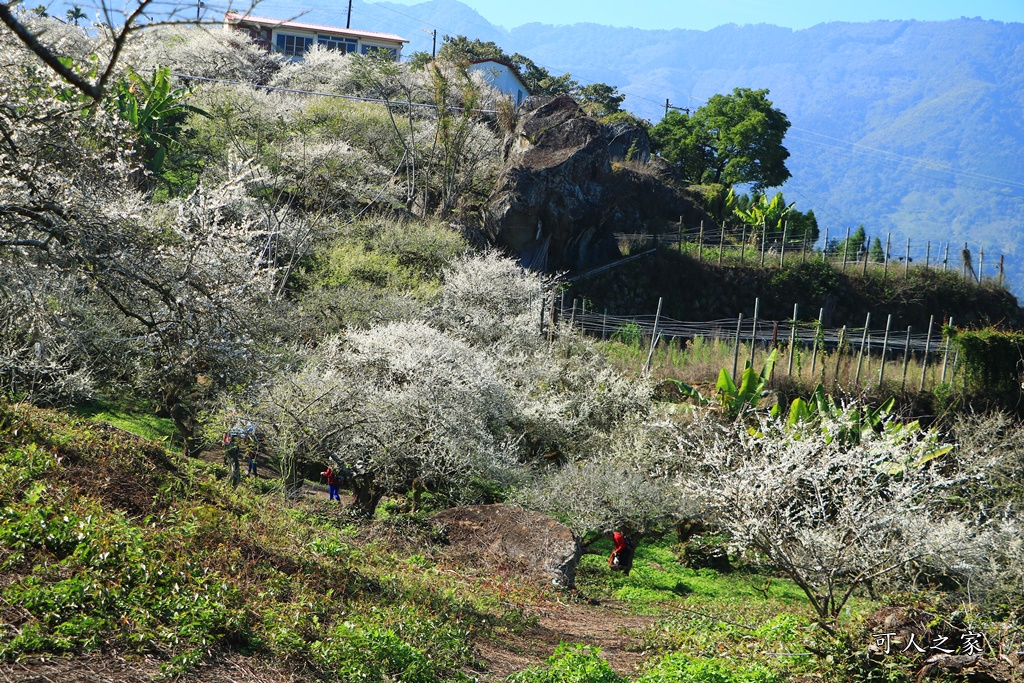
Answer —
607 626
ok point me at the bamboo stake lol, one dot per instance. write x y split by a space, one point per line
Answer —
885 347
753 331
736 347
906 360
839 354
888 244
743 243
764 237
782 254
863 341
846 249
817 331
654 338
700 243
792 341
927 350
945 356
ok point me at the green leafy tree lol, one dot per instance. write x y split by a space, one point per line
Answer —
600 99
877 252
733 139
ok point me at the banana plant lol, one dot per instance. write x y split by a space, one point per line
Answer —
155 111
858 425
736 399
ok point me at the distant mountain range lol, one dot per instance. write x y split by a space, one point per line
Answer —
911 128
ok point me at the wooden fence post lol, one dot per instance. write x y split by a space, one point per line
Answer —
753 330
906 360
792 341
863 342
927 350
736 347
817 331
654 338
885 346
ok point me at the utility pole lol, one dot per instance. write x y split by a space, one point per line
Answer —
348 22
433 52
666 106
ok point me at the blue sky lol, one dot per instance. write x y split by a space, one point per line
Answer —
706 14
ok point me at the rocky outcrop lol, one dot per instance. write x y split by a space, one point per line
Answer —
510 538
570 183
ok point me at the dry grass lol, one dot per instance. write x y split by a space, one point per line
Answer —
699 361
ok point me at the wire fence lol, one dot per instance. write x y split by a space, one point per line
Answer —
777 247
928 348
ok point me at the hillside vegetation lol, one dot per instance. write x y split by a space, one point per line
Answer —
237 273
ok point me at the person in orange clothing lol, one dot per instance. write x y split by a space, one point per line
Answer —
621 558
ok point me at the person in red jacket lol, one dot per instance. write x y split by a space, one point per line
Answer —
621 558
333 482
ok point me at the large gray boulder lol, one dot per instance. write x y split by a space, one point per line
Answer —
512 538
570 182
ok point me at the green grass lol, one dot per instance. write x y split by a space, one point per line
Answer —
109 543
144 424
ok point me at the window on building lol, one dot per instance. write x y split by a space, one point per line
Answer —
293 46
380 51
345 45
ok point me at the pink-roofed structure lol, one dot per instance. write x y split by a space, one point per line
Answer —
293 38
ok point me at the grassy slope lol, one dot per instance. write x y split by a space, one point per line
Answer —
111 543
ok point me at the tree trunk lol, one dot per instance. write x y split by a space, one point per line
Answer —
365 496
